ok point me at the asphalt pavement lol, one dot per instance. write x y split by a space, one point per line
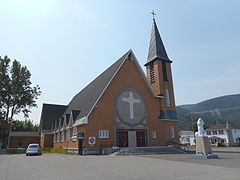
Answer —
152 167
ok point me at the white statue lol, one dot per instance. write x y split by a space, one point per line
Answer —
203 148
200 124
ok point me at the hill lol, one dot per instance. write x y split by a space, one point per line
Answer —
213 111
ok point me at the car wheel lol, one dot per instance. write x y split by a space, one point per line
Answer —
26 154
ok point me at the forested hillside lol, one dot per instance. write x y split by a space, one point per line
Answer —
214 111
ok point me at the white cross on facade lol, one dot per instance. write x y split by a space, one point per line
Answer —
131 101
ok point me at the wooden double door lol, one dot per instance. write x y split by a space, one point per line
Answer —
131 138
80 146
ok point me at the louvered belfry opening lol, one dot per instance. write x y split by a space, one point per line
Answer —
152 75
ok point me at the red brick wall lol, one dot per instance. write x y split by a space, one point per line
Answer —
160 85
103 115
26 140
46 140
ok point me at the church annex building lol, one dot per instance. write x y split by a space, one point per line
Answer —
122 107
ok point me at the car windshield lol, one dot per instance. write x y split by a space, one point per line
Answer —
33 146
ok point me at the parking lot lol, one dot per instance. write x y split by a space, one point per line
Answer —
153 167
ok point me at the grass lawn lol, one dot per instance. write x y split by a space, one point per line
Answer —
58 150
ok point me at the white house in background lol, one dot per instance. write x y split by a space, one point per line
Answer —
187 137
223 134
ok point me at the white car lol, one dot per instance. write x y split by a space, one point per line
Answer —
33 149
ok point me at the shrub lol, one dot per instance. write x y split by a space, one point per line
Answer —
12 151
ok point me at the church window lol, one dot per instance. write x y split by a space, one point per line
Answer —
74 132
58 136
62 136
152 75
172 132
164 69
68 135
167 98
154 134
103 134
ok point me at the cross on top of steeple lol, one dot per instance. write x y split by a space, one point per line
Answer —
153 13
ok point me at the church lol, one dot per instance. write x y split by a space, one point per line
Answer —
122 107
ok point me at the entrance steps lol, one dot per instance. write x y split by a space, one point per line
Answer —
149 150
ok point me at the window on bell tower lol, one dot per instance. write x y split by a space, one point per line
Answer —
167 98
164 69
152 75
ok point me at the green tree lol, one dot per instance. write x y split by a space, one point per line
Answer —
16 91
4 84
26 126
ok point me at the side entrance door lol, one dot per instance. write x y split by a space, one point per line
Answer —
123 139
141 139
80 148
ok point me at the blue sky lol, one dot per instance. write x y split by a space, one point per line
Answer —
67 43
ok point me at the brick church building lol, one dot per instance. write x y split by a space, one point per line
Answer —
122 107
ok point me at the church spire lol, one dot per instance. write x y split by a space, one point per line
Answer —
156 47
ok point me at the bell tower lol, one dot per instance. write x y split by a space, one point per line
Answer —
159 74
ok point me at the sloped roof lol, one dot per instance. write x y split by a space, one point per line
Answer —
86 98
156 47
216 127
50 114
24 134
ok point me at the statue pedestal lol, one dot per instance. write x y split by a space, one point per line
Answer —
202 145
209 156
203 148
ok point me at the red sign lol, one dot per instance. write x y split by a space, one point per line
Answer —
8 121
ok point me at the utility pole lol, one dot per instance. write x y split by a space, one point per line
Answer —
9 121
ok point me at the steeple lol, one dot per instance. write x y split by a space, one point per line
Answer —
159 73
156 47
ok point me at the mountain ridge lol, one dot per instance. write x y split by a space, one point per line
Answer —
213 111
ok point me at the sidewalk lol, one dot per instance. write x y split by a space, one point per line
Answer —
2 151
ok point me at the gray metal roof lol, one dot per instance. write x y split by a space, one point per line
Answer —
24 134
51 113
86 98
156 47
75 114
83 102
